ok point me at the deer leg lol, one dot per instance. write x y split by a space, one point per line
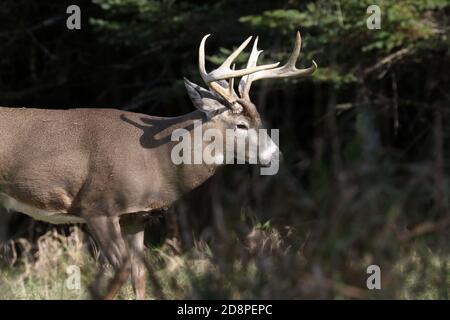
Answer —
106 230
138 270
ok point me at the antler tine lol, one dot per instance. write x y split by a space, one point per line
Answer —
201 58
296 52
286 71
252 60
231 83
228 61
224 71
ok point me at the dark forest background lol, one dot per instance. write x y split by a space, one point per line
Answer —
365 139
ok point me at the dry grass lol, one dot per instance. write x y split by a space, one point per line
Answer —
264 265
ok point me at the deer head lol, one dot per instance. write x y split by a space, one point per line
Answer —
229 110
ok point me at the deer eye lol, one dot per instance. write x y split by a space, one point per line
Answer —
242 126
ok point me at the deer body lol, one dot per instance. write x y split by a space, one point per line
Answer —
57 164
107 167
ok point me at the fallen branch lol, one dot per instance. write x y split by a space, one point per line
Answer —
425 228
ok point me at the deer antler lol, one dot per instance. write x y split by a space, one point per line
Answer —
215 79
225 72
287 71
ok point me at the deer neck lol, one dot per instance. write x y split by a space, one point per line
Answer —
195 174
188 176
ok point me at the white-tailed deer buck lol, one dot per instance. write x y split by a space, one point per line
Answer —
109 168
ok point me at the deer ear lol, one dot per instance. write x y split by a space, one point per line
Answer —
203 99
